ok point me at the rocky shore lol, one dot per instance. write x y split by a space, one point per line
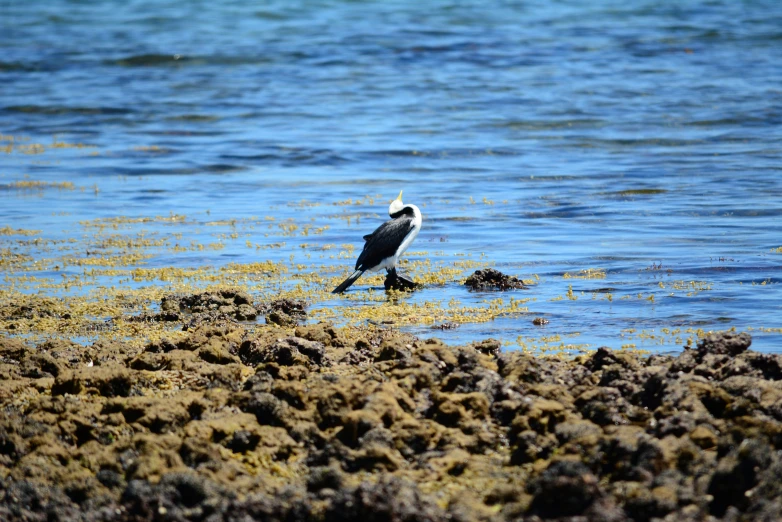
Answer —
287 421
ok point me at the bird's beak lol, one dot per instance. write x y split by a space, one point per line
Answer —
399 197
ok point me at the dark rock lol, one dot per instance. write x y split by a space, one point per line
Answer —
566 488
736 474
280 318
489 347
491 279
25 500
729 343
446 326
243 441
285 352
325 477
295 309
268 409
178 496
108 381
389 500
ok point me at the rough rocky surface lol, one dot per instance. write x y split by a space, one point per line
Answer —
224 305
305 422
491 279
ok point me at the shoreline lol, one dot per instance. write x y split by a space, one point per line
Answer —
286 421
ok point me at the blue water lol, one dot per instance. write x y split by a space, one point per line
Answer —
542 137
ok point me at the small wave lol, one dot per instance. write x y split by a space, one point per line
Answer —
58 109
152 60
16 66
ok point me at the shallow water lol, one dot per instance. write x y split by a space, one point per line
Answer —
641 142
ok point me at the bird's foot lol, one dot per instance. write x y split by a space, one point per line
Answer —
396 281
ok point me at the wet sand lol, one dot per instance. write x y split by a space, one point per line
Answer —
232 420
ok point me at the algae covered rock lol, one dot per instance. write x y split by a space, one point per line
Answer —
491 279
229 421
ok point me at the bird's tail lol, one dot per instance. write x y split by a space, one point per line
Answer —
347 282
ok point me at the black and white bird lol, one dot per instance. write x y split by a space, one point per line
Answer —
383 247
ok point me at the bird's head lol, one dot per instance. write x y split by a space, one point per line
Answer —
396 205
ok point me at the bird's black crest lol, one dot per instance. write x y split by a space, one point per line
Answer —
406 211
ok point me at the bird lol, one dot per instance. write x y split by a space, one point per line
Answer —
383 247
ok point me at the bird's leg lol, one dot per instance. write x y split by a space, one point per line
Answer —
391 278
398 281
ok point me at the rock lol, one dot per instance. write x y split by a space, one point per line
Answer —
566 488
26 500
390 499
321 478
207 307
704 437
295 309
323 333
289 351
280 318
108 381
226 421
491 279
489 347
736 474
728 343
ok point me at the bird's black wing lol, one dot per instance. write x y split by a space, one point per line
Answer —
383 242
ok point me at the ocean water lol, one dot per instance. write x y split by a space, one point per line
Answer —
625 157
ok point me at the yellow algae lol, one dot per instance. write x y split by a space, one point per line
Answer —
368 200
66 145
8 231
33 148
130 242
470 264
692 286
152 148
39 185
261 267
588 273
270 245
222 222
107 260
169 274
288 229
303 204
